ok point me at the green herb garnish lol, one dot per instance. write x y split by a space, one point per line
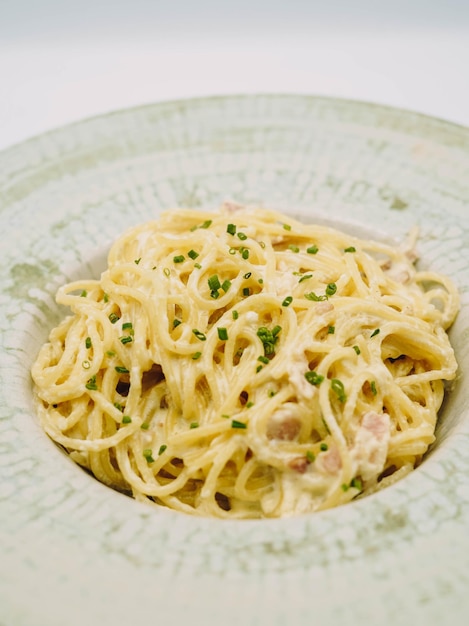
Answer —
238 424
222 333
313 377
91 384
337 387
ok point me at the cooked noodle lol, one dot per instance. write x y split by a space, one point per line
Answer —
242 364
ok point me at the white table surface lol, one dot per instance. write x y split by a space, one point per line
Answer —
64 61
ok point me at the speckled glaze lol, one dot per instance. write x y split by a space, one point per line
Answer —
74 552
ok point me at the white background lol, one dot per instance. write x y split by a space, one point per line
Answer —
61 61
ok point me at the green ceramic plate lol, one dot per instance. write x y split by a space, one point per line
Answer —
74 552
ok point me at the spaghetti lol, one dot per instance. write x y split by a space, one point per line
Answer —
242 364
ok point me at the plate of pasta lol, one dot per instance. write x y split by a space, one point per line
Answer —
233 360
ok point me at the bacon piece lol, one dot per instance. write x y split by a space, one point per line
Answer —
371 444
323 307
299 464
331 460
376 423
283 424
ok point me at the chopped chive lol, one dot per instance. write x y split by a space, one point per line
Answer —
235 314
113 318
263 359
179 258
206 224
312 250
238 424
338 387
350 249
293 248
310 457
373 388
261 281
331 289
176 322
147 453
167 272
105 298
222 333
305 277
345 487
194 425
127 326
249 404
196 356
331 330
247 275
286 226
86 364
126 419
88 343
91 384
145 426
137 261
374 333
271 393
83 294
245 253
232 251
269 338
120 369
162 449
214 282
226 284
231 229
315 298
357 349
246 291
110 353
288 300
126 339
242 236
119 406
199 334
214 294
313 377
258 369
323 447
198 266
356 483
192 254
